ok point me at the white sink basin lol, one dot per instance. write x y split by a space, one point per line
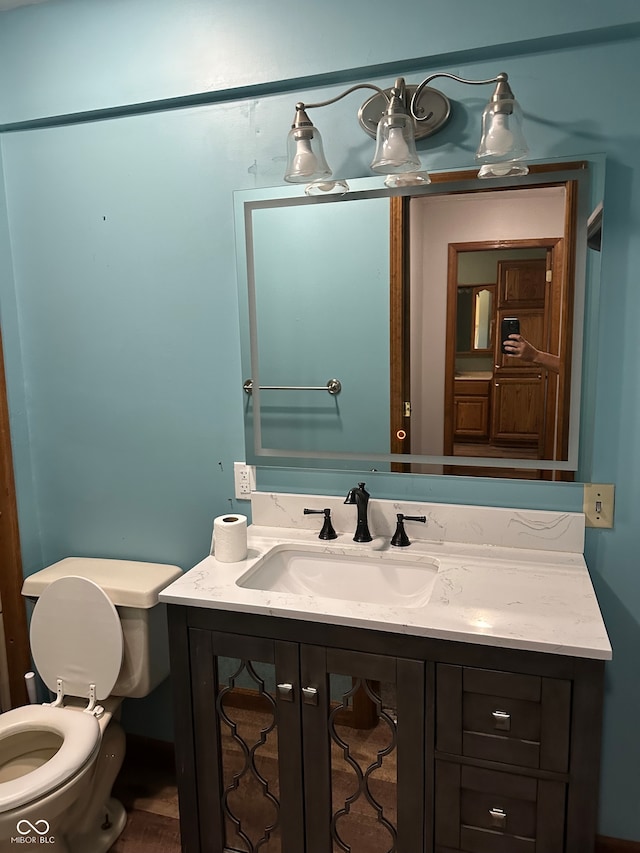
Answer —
370 578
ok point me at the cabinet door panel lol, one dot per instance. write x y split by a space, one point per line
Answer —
353 775
245 764
518 409
471 417
522 282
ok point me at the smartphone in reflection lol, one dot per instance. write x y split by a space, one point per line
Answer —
508 326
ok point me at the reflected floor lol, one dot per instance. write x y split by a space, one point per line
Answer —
147 788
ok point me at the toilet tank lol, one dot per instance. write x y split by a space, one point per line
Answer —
133 588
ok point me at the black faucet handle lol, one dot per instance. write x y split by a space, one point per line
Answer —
327 531
400 538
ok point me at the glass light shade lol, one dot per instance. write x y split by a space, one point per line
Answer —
395 145
305 156
407 179
324 187
502 145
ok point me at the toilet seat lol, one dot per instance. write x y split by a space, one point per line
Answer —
80 735
76 639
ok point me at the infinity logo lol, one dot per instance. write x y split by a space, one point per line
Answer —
25 826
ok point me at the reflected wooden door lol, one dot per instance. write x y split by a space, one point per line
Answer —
518 409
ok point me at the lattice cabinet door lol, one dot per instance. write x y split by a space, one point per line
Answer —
246 716
363 733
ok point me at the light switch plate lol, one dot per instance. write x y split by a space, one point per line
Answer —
598 504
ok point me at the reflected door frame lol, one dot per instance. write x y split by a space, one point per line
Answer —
400 342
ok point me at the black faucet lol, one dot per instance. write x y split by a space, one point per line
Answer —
360 497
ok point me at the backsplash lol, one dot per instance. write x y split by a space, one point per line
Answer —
471 525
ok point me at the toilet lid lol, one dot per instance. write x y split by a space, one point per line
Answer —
76 636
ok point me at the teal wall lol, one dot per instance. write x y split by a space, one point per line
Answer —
117 268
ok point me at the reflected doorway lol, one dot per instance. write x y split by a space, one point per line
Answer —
428 335
497 405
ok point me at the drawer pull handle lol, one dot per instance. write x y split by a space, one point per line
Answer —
501 720
310 695
498 818
285 692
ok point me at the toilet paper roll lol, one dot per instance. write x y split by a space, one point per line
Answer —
230 538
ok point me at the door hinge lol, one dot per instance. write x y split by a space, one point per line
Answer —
407 409
548 275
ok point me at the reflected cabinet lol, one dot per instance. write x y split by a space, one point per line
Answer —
295 737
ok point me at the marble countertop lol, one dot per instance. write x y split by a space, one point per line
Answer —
538 599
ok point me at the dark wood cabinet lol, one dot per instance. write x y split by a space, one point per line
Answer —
511 719
463 749
501 716
488 811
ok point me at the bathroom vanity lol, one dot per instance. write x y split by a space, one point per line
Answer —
452 702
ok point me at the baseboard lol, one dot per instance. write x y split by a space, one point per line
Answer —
605 844
160 753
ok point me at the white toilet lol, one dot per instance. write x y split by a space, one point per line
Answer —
97 634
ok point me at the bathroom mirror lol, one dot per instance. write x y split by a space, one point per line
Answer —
370 322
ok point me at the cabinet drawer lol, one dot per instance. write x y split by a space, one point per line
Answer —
501 716
487 811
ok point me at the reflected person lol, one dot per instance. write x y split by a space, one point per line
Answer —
518 347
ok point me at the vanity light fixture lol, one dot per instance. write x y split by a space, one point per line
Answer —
396 117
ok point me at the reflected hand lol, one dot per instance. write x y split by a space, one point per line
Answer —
518 347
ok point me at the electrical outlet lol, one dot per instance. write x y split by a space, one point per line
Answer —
598 504
244 478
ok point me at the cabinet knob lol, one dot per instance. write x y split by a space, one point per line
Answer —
501 720
285 691
498 818
310 695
